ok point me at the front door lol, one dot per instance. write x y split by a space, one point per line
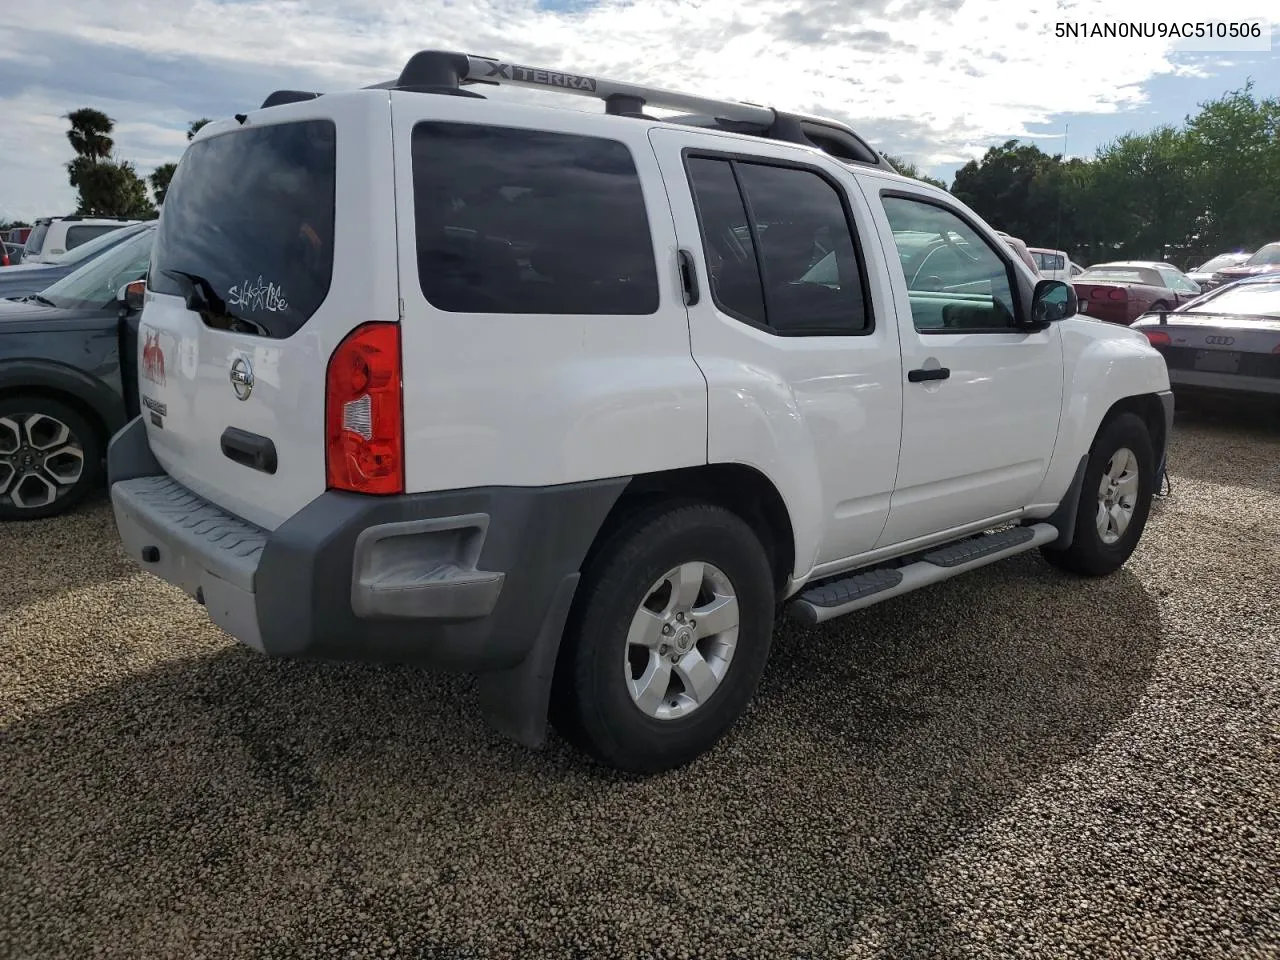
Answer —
982 395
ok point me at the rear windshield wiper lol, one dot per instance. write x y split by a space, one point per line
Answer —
38 298
204 300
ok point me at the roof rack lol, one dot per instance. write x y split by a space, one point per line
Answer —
445 72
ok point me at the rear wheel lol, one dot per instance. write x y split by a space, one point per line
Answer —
50 457
1115 499
670 638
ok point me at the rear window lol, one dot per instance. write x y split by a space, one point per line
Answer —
35 239
83 233
251 213
528 221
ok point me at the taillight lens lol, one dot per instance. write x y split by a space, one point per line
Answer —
1158 338
364 413
1119 293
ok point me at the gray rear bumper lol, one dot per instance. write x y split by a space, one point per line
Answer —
464 580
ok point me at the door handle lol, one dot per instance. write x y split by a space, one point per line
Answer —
688 278
923 374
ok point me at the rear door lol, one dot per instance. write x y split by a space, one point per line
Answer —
289 220
793 330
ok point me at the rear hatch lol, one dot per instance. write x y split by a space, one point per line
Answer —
263 263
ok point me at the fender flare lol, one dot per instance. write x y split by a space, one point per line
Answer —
50 375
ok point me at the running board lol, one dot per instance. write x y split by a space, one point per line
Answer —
834 598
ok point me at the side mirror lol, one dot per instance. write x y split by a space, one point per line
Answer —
131 295
1052 300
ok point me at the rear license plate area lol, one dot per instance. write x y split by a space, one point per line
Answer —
1218 361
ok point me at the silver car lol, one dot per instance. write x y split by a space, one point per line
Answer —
1227 340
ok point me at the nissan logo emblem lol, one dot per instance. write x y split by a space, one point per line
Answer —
1220 341
242 378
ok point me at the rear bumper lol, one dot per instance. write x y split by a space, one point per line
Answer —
465 580
1224 382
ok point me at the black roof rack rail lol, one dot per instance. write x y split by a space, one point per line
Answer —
287 96
449 72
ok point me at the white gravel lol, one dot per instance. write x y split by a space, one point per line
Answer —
1012 764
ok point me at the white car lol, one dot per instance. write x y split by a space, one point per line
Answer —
52 238
564 399
1055 264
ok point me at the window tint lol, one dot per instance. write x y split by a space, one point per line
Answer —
726 240
955 279
1120 274
1266 256
1053 261
35 239
797 242
527 221
83 233
251 212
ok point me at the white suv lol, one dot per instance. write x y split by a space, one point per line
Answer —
52 238
577 402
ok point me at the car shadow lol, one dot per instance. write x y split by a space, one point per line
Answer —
259 788
1231 441
44 558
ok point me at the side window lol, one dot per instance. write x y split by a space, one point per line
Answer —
527 221
955 279
83 234
1175 281
792 265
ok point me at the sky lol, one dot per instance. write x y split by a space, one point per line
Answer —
933 81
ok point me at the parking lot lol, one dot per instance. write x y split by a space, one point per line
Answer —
1012 763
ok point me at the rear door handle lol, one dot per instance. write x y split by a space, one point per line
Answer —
923 374
688 278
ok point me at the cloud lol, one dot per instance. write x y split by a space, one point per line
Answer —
931 80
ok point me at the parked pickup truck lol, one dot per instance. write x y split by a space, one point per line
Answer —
577 402
67 380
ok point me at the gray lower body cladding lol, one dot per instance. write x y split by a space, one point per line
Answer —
462 580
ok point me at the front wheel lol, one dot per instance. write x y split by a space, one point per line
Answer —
49 458
1115 499
670 639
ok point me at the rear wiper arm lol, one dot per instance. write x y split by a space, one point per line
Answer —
40 298
203 299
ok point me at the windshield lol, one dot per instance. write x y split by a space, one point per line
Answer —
96 283
1267 256
89 250
1247 300
1218 262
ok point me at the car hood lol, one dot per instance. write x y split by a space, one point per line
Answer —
21 280
21 316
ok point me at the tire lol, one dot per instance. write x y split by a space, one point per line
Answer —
667 723
50 457
1093 553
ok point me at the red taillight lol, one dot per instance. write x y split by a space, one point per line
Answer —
364 415
1158 338
1118 293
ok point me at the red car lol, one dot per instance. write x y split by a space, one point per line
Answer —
1121 292
1266 260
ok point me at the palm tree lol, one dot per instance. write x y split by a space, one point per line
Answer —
90 134
194 127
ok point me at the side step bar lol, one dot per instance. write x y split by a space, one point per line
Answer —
834 598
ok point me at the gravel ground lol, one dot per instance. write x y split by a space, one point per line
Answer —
1012 764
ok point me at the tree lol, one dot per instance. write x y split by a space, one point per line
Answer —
909 169
194 127
90 133
160 180
107 187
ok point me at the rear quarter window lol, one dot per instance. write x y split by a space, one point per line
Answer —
529 221
83 233
252 213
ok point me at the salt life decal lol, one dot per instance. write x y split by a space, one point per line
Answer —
256 295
